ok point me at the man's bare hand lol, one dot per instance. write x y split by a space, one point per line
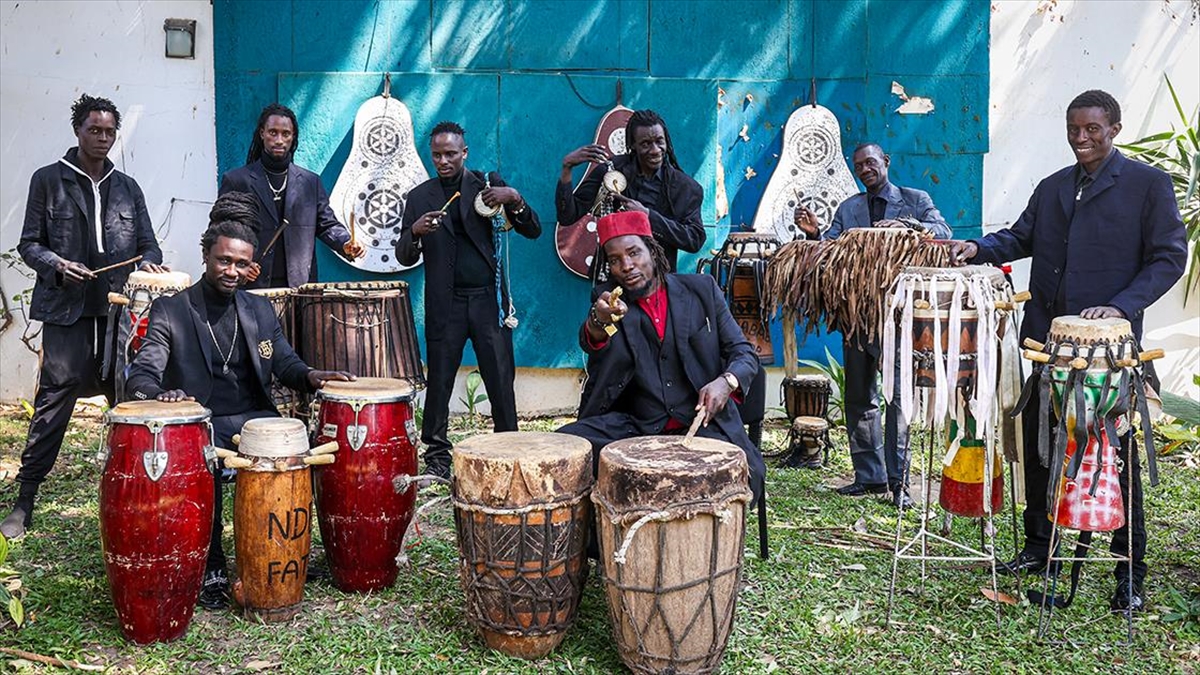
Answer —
962 252
174 396
1102 312
631 204
318 378
713 398
73 272
154 268
594 153
252 272
500 195
427 223
806 221
354 249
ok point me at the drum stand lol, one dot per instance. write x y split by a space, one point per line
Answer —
923 537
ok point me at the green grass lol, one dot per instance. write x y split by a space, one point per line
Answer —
812 607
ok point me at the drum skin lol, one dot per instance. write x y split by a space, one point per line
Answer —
521 516
361 516
672 599
272 518
155 534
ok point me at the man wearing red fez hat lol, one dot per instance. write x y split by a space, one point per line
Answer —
670 354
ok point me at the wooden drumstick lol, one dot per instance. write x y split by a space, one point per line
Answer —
450 201
700 415
1079 363
115 298
353 230
238 462
1035 356
134 259
1151 354
237 439
324 448
224 453
1034 344
320 459
1023 296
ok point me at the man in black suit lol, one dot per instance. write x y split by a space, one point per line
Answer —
222 347
657 187
466 287
1106 240
82 214
676 353
293 206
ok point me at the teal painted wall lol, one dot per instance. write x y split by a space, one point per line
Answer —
530 79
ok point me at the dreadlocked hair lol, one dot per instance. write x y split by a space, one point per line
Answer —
600 272
233 216
86 105
1095 98
256 144
642 119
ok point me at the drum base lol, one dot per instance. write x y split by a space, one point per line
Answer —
276 615
521 646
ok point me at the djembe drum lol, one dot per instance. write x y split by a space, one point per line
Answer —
366 328
156 511
131 310
521 514
286 400
805 395
362 516
272 515
740 268
670 515
806 438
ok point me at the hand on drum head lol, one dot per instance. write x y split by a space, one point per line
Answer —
354 249
962 252
500 195
713 398
318 378
1102 312
151 267
253 271
806 220
174 396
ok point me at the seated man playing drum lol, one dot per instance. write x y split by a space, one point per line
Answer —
223 348
672 354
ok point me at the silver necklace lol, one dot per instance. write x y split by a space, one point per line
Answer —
225 357
278 194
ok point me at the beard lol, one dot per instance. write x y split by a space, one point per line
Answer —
647 287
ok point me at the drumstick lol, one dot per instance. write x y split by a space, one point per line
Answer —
114 266
450 201
353 235
695 424
274 238
324 448
320 459
115 298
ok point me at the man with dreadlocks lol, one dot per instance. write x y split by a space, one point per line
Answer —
676 353
82 214
1106 240
656 186
293 208
222 347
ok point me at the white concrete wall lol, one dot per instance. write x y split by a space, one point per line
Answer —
1042 55
53 52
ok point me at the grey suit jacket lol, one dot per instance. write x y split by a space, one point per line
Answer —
901 202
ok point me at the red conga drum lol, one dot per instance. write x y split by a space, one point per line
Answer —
156 509
362 517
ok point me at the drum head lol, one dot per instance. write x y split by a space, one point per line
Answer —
1083 331
993 274
370 389
158 281
808 381
810 425
516 468
140 412
274 437
272 292
650 473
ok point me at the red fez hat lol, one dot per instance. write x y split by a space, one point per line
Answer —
622 223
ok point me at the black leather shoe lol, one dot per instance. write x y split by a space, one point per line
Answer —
439 469
860 489
1129 597
1025 563
16 523
901 500
214 594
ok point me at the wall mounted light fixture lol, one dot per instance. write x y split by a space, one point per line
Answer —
181 38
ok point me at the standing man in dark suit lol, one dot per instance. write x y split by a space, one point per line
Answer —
1106 240
878 448
466 287
657 187
676 353
82 214
293 206
221 347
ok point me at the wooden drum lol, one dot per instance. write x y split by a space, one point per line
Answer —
670 515
936 304
156 510
521 513
740 268
805 395
130 314
286 401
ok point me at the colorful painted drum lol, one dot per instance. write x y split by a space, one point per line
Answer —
362 517
1098 343
940 285
521 513
805 395
671 519
156 510
963 483
740 268
272 518
1078 508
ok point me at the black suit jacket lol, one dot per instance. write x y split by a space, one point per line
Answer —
306 208
440 246
1125 246
178 348
676 224
57 223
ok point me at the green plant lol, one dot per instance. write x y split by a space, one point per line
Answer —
11 588
1177 152
1184 431
474 396
837 375
1184 608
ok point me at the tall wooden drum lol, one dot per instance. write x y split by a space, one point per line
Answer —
362 517
156 509
272 518
521 513
287 401
671 518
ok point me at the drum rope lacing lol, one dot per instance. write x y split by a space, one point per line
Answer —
718 508
520 510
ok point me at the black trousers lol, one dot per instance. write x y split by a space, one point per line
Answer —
473 314
878 447
1038 527
224 427
71 369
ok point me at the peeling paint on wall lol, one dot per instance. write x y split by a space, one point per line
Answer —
913 105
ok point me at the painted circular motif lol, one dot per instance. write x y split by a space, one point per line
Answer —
383 208
382 137
616 142
814 146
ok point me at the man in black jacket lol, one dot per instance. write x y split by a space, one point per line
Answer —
293 206
466 288
222 347
82 214
655 186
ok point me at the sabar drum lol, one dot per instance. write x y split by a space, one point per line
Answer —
671 518
362 517
945 300
521 514
156 510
